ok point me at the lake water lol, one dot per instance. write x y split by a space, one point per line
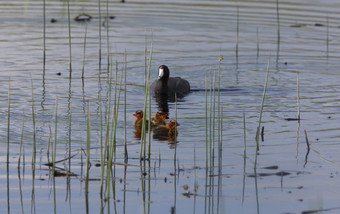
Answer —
188 37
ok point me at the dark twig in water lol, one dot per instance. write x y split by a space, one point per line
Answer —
51 163
308 148
292 119
262 133
320 210
84 17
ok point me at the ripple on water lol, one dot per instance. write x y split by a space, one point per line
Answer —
189 37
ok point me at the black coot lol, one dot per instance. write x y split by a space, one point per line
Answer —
167 86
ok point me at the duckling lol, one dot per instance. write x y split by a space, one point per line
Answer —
139 120
173 132
159 118
166 132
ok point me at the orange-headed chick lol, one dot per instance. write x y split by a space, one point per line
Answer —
139 120
159 118
166 132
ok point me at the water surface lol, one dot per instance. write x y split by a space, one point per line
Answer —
189 37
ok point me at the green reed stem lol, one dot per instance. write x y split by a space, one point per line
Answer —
147 88
55 136
206 143
142 137
327 37
107 35
69 38
69 129
84 53
34 134
7 161
237 31
244 132
278 21
107 134
21 140
219 189
175 143
298 94
125 142
257 43
99 36
102 159
210 139
261 109
88 140
114 105
219 98
8 119
44 38
113 145
149 94
113 151
210 116
212 164
48 145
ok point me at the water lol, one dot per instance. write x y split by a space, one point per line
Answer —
188 36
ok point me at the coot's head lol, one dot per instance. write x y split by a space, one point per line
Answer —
163 72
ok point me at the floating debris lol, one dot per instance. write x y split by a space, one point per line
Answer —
187 194
319 25
298 25
292 119
281 173
271 167
186 187
58 173
83 17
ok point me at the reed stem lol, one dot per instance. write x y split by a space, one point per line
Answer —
125 142
84 53
55 136
21 140
8 120
298 94
262 104
34 134
88 139
69 38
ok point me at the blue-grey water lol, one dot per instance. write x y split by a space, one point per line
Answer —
189 37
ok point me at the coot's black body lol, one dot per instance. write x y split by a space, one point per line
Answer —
168 87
